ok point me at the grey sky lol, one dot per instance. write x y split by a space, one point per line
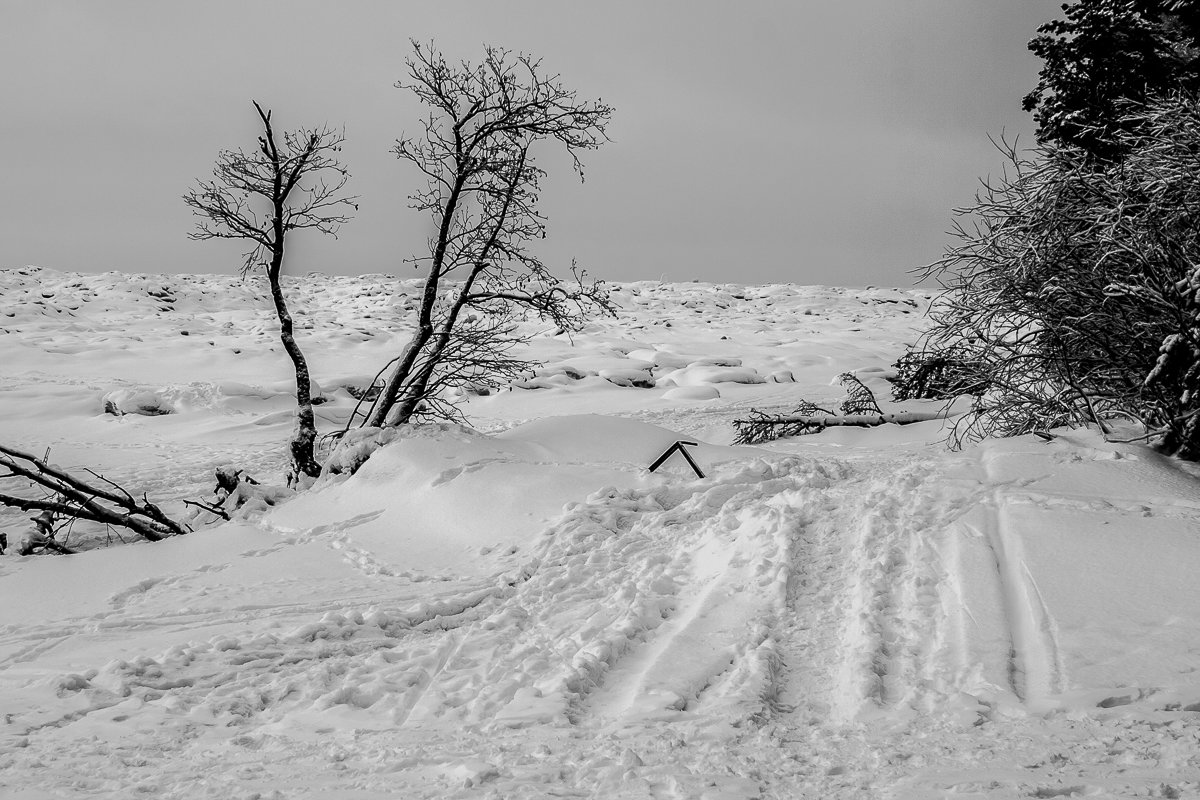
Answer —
808 142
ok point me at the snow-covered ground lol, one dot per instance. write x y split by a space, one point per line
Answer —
521 609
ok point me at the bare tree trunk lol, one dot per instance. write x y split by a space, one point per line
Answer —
405 407
303 444
381 412
419 385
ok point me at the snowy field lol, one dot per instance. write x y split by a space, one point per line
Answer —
520 609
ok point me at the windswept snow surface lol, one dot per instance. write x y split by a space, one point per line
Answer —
520 609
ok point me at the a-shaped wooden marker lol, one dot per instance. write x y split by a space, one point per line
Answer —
681 448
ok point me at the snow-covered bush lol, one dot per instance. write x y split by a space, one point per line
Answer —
1074 287
353 449
238 496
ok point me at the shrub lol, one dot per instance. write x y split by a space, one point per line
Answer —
1074 286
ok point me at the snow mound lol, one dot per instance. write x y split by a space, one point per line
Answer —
120 402
628 376
222 396
692 393
434 495
660 358
705 374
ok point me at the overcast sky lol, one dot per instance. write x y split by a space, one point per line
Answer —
753 142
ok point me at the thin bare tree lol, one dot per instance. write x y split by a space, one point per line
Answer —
291 181
475 151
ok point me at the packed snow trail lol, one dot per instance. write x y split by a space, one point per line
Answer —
673 607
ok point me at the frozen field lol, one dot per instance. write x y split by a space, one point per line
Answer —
520 609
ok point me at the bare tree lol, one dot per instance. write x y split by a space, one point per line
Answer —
482 187
292 181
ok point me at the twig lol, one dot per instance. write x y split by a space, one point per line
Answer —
209 508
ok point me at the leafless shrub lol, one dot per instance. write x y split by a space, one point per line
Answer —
1074 288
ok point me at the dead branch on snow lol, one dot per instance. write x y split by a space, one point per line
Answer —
75 498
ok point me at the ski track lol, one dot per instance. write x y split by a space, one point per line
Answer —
1035 671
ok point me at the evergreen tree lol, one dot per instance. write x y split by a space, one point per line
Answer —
1105 54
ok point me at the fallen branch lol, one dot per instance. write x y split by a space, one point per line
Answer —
78 499
764 428
861 420
1153 433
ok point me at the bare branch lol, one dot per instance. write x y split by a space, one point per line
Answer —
85 501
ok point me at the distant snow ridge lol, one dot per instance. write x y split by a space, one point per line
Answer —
668 327
81 311
646 369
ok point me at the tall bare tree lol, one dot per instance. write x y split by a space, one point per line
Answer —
291 181
475 151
